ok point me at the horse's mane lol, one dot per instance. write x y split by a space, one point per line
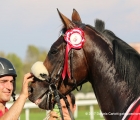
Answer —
126 58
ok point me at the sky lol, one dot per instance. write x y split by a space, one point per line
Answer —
36 22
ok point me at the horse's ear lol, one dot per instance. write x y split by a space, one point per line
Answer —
67 22
76 17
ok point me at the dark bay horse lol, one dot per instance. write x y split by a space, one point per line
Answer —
84 53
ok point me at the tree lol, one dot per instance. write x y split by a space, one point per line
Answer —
33 54
86 87
18 64
2 54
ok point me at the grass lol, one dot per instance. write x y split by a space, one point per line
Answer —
35 114
83 114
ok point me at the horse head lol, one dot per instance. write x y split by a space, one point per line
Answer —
76 68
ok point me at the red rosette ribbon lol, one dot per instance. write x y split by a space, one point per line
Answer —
75 39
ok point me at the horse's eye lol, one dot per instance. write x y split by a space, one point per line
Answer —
53 51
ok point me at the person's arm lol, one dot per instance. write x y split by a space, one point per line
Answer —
16 108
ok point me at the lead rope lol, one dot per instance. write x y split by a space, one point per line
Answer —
57 99
53 88
68 106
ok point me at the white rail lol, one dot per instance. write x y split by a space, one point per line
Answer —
89 103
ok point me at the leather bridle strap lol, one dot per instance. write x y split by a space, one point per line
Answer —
71 66
53 88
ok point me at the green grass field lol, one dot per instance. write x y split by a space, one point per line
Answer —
83 114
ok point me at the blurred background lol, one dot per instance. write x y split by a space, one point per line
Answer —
28 28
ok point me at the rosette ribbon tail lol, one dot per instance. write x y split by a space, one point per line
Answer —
65 69
75 39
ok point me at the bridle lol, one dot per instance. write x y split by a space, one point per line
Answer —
53 79
57 96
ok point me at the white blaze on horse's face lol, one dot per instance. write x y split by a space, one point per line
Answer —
37 69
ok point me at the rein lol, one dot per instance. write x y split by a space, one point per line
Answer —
54 90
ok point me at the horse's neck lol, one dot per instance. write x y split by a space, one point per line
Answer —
112 94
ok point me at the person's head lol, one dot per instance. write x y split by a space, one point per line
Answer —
7 80
71 100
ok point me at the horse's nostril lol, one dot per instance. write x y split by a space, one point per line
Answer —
30 89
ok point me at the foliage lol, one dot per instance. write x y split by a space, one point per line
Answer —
2 54
18 64
86 87
33 54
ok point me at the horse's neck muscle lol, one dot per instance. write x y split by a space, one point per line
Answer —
112 94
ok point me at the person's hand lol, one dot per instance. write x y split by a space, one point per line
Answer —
27 78
53 116
66 116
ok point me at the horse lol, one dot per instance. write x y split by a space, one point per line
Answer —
84 53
